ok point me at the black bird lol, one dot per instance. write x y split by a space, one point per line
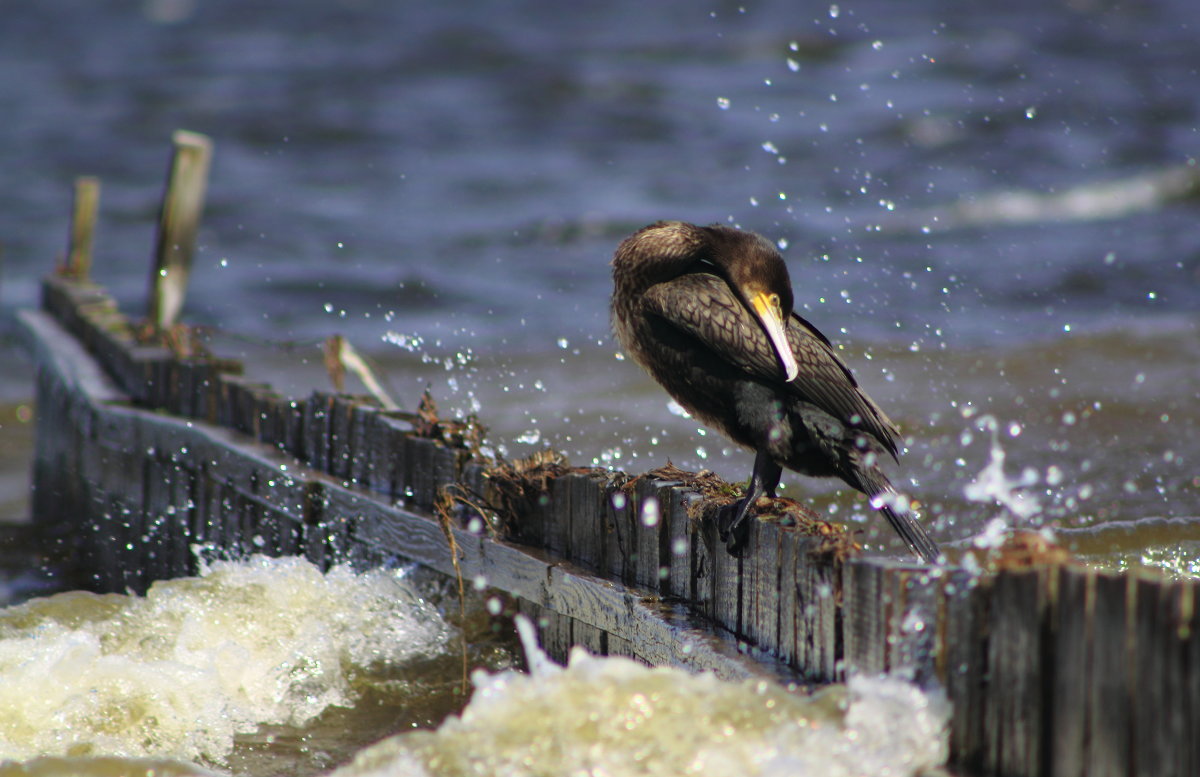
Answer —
707 311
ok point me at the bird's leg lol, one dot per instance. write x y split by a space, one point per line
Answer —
732 525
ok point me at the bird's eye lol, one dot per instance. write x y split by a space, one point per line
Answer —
774 300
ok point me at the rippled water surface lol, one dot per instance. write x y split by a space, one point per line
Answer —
990 208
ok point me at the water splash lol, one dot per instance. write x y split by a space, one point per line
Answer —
992 485
617 717
179 672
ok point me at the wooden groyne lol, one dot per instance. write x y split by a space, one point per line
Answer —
144 449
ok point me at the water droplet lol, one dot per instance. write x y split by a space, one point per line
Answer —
723 103
650 514
674 408
530 436
834 11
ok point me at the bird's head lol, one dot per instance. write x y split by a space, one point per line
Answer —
756 272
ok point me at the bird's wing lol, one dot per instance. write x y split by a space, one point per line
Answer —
827 382
702 306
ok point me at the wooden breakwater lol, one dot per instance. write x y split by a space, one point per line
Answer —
1053 668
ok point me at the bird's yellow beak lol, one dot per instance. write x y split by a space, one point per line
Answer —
766 307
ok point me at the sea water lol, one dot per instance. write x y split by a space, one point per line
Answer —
176 681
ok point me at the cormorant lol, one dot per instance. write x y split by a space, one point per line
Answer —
707 311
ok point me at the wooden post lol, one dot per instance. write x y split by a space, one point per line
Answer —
83 226
178 223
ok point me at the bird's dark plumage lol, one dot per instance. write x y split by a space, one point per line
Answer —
707 311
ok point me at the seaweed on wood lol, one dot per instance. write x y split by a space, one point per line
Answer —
836 540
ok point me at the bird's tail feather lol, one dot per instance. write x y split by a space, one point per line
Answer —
902 518
911 531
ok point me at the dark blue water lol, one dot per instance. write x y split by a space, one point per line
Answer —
460 173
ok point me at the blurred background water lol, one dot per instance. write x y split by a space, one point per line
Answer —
989 207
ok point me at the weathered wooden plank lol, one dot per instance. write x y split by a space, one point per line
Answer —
235 401
647 526
616 646
1160 703
705 544
362 464
546 519
761 586
316 430
1072 668
618 535
590 638
212 503
791 568
158 508
813 596
912 631
292 415
1190 630
84 204
866 616
208 388
680 534
727 588
387 433
271 409
555 630
1018 659
587 497
179 220
1110 746
965 643
429 466
341 448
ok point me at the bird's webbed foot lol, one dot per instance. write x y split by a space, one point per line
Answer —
732 525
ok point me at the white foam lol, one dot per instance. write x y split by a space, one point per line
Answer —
616 717
177 673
